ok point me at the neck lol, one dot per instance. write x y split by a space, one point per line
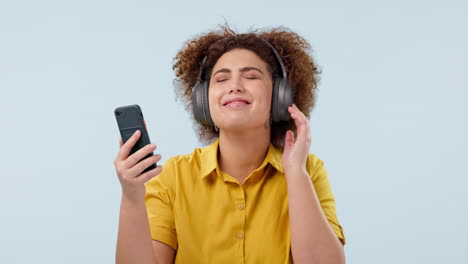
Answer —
241 153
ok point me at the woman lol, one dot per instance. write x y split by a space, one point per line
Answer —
255 194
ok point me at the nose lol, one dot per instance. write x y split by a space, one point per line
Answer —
236 86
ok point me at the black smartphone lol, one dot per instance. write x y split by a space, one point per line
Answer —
130 119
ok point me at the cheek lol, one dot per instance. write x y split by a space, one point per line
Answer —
213 97
265 99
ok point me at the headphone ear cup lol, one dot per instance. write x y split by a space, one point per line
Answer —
274 100
206 105
197 103
201 108
283 97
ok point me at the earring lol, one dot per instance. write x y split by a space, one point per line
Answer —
216 128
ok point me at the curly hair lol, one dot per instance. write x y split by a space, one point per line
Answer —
303 74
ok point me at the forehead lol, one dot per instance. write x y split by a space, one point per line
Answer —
238 58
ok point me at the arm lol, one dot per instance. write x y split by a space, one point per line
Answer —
134 240
312 238
134 244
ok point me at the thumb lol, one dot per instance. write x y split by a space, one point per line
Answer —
288 139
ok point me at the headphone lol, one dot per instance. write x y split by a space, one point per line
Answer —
282 97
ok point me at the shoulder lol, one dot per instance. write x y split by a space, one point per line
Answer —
183 164
175 167
184 161
316 167
313 162
188 158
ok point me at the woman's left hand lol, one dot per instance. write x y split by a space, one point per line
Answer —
296 151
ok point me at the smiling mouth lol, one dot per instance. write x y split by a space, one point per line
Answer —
236 104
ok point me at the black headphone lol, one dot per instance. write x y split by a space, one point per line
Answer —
282 97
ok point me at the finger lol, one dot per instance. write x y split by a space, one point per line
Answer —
296 115
302 124
143 164
140 154
288 139
120 142
303 131
150 174
127 147
297 111
299 115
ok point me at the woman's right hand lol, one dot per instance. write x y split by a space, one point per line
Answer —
130 168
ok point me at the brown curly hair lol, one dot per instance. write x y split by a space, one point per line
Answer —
293 49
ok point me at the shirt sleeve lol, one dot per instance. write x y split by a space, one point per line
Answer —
319 177
159 199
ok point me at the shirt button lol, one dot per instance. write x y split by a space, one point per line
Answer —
241 206
240 235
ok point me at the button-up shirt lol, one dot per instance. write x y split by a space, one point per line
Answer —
207 216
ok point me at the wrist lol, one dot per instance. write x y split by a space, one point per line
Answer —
133 198
295 171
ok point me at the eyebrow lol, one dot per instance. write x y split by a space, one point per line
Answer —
244 69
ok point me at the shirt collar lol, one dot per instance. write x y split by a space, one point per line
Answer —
209 158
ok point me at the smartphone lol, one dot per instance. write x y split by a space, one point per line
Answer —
130 119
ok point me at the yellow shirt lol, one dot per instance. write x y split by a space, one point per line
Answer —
208 217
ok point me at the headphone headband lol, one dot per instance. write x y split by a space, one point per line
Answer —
282 97
284 74
201 69
278 58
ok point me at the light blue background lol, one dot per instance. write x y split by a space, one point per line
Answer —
390 121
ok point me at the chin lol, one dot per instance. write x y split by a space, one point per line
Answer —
239 124
235 124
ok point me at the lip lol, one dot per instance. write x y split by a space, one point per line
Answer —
236 99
